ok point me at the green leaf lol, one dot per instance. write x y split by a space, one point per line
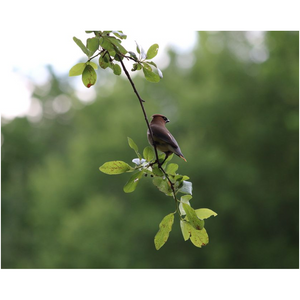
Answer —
93 45
143 54
167 160
147 66
198 237
133 55
185 229
136 66
152 63
205 213
95 67
132 144
77 69
160 74
148 153
115 167
171 169
157 171
150 76
118 45
186 187
165 228
89 76
162 185
105 43
184 199
104 61
117 69
192 217
131 184
138 49
119 34
181 177
152 51
81 46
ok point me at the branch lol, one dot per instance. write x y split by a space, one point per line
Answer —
148 125
141 103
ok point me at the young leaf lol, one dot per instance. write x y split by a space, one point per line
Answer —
150 76
192 217
131 184
115 167
184 199
148 153
133 55
119 34
138 48
165 228
89 76
152 51
77 69
81 46
143 54
186 187
93 45
205 213
160 74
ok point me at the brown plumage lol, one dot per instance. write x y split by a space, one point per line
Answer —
163 139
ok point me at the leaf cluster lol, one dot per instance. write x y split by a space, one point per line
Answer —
107 45
171 184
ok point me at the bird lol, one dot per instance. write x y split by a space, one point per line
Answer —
162 138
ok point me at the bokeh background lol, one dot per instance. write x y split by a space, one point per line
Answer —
233 102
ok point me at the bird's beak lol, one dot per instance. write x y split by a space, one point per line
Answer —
167 121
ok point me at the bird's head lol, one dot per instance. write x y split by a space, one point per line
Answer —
160 118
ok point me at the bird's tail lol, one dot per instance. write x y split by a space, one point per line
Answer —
181 156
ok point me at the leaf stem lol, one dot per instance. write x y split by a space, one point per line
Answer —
94 56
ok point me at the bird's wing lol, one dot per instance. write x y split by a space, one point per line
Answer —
164 135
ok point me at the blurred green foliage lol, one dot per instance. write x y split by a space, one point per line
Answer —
234 109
